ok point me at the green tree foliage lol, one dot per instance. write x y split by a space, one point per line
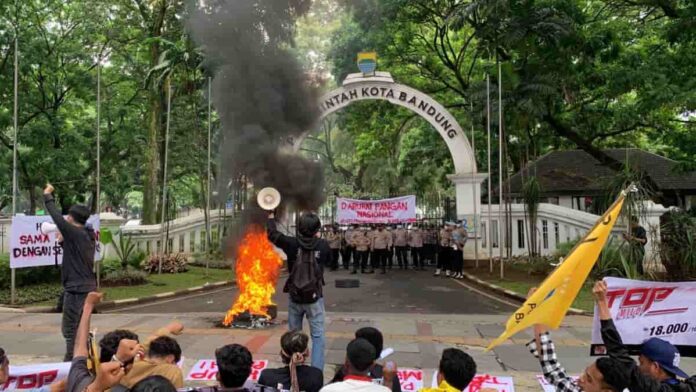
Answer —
581 74
141 45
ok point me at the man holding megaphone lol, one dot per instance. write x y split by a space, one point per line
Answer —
77 276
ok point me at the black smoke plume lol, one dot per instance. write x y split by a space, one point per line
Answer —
262 96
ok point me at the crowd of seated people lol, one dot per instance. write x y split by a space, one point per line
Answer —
124 363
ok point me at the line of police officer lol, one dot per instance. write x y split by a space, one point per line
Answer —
376 246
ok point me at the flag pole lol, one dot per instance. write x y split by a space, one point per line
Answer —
473 187
98 201
13 294
163 242
207 198
490 214
501 237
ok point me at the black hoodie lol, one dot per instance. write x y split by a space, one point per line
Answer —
78 252
291 245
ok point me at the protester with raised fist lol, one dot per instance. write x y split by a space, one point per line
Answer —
79 244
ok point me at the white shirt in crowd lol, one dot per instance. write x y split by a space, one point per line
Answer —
352 385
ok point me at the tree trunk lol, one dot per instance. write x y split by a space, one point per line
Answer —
155 98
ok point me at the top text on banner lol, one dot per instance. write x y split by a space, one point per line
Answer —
395 210
29 247
642 310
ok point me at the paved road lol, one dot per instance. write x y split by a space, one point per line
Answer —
416 292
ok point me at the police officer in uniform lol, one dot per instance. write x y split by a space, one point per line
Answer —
362 252
415 241
400 243
459 237
429 243
334 239
445 255
348 248
381 242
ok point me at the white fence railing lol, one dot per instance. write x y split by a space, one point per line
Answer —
555 225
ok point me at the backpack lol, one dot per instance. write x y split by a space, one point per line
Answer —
305 281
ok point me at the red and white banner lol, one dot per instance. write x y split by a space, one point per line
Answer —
480 381
31 248
35 376
396 210
547 386
206 369
410 379
642 310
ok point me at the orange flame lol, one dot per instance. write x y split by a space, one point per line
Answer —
258 268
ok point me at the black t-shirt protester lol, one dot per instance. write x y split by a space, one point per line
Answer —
78 252
311 379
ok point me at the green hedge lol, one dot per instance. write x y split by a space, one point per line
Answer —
27 276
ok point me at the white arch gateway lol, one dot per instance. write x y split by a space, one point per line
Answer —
358 87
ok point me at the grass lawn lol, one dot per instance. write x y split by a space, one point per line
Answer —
195 276
583 301
46 294
520 281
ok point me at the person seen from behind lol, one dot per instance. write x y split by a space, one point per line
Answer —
295 376
307 256
360 356
455 372
77 276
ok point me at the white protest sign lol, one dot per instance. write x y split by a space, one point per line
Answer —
206 369
396 210
642 310
410 379
35 376
548 387
480 381
29 247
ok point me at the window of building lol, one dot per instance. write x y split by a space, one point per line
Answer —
557 233
484 235
520 234
567 232
545 233
181 243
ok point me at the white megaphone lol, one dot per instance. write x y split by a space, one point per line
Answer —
268 198
48 228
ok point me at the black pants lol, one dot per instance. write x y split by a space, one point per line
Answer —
457 261
347 254
381 258
361 259
418 258
389 254
429 253
72 311
401 256
444 258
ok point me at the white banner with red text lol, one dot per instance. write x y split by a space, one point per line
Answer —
35 376
547 386
29 247
643 310
488 381
396 210
206 370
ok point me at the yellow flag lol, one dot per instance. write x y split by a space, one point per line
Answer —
549 304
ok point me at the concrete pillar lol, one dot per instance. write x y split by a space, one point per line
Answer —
187 242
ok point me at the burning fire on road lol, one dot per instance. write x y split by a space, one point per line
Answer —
257 268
